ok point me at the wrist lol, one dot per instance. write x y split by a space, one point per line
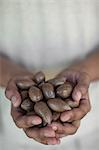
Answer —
9 69
86 69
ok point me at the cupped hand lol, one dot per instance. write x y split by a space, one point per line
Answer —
28 122
12 92
80 95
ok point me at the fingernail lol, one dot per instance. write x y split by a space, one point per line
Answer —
54 128
78 95
65 118
36 122
14 101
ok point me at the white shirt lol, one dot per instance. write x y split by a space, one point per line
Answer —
48 33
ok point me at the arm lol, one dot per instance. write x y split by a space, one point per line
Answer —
9 73
90 65
81 74
8 69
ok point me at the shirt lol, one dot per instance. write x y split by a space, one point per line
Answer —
48 33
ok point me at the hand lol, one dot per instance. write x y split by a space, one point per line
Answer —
27 122
65 129
44 135
12 90
79 95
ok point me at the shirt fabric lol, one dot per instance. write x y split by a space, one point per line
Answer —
48 33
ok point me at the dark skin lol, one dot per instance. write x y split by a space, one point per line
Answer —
52 134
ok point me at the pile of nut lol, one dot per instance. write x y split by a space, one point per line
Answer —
47 99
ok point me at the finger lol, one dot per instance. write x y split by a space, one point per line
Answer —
76 113
81 88
65 128
76 124
23 121
60 135
13 94
41 136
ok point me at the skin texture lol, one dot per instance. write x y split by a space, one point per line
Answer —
83 78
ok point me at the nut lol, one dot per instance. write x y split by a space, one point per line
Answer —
56 116
27 105
64 90
35 94
48 90
24 94
57 81
25 84
43 111
58 105
39 77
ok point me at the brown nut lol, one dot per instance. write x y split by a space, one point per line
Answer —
56 116
64 90
24 94
72 103
57 81
58 105
43 111
39 77
25 84
48 90
35 94
27 105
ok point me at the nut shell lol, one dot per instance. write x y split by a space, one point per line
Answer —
25 84
24 94
48 90
58 105
56 116
57 81
35 94
43 111
27 105
64 91
39 77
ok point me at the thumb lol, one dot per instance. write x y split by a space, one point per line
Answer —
12 94
81 88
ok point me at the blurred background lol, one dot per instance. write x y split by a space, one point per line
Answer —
49 35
